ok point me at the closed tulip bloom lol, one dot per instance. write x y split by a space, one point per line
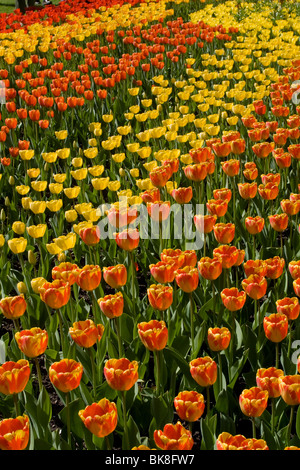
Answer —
112 305
263 149
189 405
273 178
32 342
279 222
294 269
274 267
210 268
121 216
289 387
217 207
173 437
190 258
176 256
276 327
247 190
268 379
250 171
231 167
100 418
153 334
218 338
163 272
255 286
204 371
296 286
253 401
283 160
182 195
159 210
150 195
121 374
55 294
115 276
66 374
14 376
254 225
160 296
289 306
233 299
241 257
160 175
17 245
128 239
89 277
90 235
14 433
222 149
227 254
187 278
205 223
224 233
268 191
223 193
67 272
86 333
255 266
196 172
13 307
290 207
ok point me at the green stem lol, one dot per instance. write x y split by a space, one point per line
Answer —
126 443
38 370
253 427
93 371
16 403
117 327
277 356
273 415
288 432
157 361
192 324
290 339
68 418
207 402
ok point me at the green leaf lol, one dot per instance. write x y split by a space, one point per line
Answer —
2 352
208 440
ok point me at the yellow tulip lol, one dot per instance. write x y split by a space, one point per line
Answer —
77 162
96 170
100 183
64 153
39 186
17 245
53 248
22 189
118 157
36 231
37 207
114 185
54 205
59 177
71 215
2 240
50 157
33 172
36 283
19 227
66 242
91 152
26 154
72 193
79 174
26 202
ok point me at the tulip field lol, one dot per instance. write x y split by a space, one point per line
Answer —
149 226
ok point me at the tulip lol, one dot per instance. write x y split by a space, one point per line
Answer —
294 269
268 191
228 255
279 222
204 371
255 286
256 266
14 433
289 386
100 418
224 233
289 307
66 374
232 299
253 401
223 193
182 195
189 405
187 278
217 207
163 272
160 175
231 167
17 245
121 374
153 334
128 239
227 441
90 235
160 296
173 437
268 379
254 225
86 333
250 172
115 276
14 376
32 342
210 268
66 271
218 338
274 267
112 305
89 277
276 327
55 294
176 257
13 307
296 286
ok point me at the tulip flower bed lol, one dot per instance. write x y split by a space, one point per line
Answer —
149 231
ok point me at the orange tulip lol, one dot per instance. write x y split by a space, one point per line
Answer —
67 272
253 401
190 258
176 257
86 333
100 418
273 178
32 342
160 296
223 193
224 233
173 437
182 195
241 257
66 374
290 207
121 374
231 167
289 307
55 294
217 207
150 195
227 441
268 191
210 268
218 338
196 172
279 222
228 255
187 278
204 371
255 286
153 334
90 235
189 405
283 160
163 272
14 433
205 223
274 267
128 239
254 225
159 210
13 307
276 327
263 149
247 190
250 172
255 266
268 379
222 149
160 175
289 387
296 286
232 299
89 277
294 269
14 376
112 305
115 276
122 216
